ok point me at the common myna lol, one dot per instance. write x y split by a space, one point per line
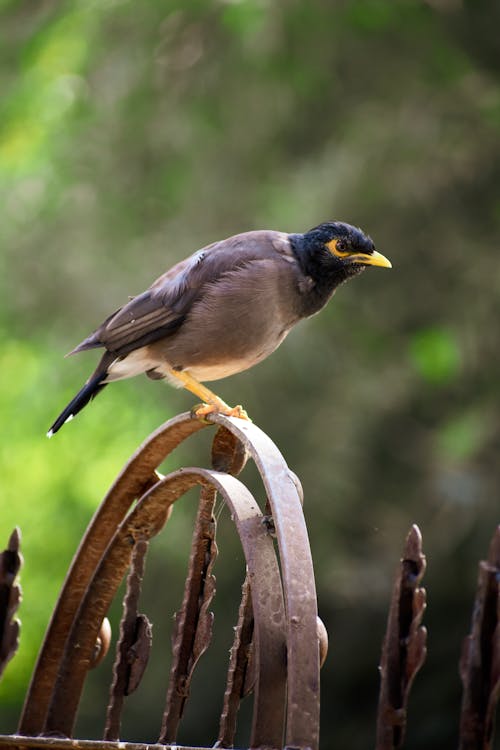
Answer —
223 309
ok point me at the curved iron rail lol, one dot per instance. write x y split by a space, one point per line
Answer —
284 608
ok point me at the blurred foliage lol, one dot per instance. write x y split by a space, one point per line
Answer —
435 354
130 135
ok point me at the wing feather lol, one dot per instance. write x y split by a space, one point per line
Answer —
160 310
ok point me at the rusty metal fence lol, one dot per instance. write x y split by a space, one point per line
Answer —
279 640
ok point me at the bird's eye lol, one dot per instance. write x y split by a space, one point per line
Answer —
339 247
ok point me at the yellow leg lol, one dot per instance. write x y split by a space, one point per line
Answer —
211 402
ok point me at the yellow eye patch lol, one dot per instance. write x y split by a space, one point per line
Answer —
333 248
365 259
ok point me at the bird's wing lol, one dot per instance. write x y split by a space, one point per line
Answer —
161 310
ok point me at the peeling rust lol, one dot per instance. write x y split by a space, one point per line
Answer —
239 660
138 653
193 622
132 649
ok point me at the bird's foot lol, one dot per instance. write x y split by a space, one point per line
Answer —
200 411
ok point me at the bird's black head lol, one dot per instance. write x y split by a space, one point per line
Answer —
339 249
330 254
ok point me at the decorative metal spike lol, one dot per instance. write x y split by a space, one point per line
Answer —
10 597
404 647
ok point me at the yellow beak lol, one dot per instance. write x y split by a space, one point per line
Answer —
371 259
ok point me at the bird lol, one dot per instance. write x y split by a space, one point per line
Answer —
223 309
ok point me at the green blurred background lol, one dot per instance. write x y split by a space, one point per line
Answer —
134 133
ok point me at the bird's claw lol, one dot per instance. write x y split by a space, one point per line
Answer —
238 411
201 411
198 412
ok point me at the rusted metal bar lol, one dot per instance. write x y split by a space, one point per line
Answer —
136 477
193 622
404 648
480 660
133 647
237 684
10 597
269 633
18 742
302 726
230 454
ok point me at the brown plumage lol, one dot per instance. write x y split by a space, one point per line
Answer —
223 309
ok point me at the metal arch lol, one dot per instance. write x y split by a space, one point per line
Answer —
284 496
145 521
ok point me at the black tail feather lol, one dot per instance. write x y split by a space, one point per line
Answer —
82 398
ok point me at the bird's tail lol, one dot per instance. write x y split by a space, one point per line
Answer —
89 391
